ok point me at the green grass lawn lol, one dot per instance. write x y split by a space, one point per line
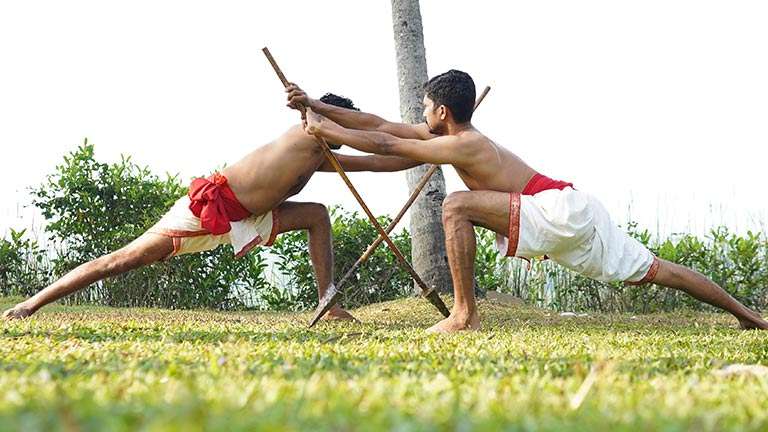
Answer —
91 368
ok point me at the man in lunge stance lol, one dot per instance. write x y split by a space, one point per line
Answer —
244 205
532 214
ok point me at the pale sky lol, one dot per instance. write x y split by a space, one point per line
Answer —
660 106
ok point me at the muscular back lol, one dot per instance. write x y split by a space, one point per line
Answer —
269 175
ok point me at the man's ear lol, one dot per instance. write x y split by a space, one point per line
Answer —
443 112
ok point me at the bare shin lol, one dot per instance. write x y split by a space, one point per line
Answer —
461 247
700 287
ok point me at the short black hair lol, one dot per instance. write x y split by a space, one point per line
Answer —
339 101
454 89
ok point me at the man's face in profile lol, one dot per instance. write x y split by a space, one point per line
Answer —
434 116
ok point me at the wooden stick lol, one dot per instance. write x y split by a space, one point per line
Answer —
482 96
416 191
426 291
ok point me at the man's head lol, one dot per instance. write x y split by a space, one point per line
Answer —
339 101
449 97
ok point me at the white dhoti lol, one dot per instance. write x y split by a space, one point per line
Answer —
574 229
189 236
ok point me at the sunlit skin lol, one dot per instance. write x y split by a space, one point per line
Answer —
263 180
490 172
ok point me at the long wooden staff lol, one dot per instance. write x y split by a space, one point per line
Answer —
369 251
428 292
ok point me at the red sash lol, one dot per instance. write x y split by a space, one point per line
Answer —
213 201
539 183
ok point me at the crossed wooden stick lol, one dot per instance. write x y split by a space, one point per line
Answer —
333 294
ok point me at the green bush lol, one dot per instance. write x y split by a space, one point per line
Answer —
491 273
24 266
739 264
93 208
378 279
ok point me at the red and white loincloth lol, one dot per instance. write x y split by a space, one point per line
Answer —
573 229
210 215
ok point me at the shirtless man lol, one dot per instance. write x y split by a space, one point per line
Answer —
532 214
244 205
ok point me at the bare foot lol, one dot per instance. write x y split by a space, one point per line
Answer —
757 323
453 324
20 311
339 314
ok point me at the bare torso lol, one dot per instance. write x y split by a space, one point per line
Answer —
488 166
272 173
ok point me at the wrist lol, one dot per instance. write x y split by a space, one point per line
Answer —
30 305
324 127
317 128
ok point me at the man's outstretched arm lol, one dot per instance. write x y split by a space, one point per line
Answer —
356 119
440 150
373 163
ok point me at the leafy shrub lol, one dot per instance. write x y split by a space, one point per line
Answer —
739 264
491 273
24 266
93 208
378 279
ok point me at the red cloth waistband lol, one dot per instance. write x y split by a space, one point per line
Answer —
212 200
540 183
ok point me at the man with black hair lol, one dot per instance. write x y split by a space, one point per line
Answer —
244 205
532 215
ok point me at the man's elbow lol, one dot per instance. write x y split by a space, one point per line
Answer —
387 147
376 123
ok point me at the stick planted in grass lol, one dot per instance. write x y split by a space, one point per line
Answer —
334 294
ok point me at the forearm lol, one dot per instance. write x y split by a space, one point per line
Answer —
392 163
365 141
379 163
372 163
347 117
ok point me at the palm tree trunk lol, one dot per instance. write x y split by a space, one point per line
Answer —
428 250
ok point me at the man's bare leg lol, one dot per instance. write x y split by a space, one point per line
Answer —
461 212
700 287
314 218
144 250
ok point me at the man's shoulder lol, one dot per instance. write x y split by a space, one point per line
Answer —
296 133
471 137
